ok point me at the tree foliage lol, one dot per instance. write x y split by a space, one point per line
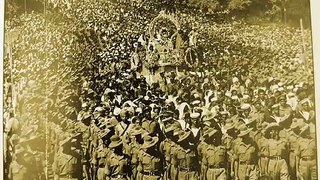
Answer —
239 4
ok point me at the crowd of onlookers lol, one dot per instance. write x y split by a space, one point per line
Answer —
83 57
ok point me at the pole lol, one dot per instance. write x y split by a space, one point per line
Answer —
11 75
304 57
25 6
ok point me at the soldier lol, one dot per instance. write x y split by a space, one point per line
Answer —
306 154
215 157
117 163
293 137
150 160
67 164
103 152
229 138
245 153
200 149
277 165
85 143
22 166
263 152
173 149
134 147
165 149
186 158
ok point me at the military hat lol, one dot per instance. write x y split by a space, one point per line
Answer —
297 122
275 106
86 117
304 130
112 122
167 119
245 106
19 149
209 116
184 135
224 113
229 125
173 127
116 111
284 120
272 126
115 141
244 130
149 141
65 141
137 130
211 131
195 115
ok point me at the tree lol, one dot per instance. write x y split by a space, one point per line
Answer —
239 5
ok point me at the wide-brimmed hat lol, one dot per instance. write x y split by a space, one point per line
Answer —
112 122
184 135
284 120
210 132
297 122
172 127
209 116
149 141
115 141
272 126
244 130
195 115
304 130
137 130
229 125
116 111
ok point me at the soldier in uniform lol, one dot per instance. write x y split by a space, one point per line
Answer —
186 158
117 163
134 146
306 154
245 156
67 164
215 157
277 165
173 149
200 149
263 152
150 160
85 143
165 149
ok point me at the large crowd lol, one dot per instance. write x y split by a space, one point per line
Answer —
245 111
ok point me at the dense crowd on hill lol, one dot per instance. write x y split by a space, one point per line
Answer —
84 96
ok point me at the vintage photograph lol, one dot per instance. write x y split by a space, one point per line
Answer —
158 90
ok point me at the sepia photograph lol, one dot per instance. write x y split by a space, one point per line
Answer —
158 90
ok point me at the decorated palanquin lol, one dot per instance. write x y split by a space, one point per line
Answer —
165 47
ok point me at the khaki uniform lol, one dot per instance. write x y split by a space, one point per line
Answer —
277 166
134 153
245 154
165 149
85 148
173 161
67 167
307 164
263 156
229 144
150 167
215 160
293 145
117 167
187 164
201 150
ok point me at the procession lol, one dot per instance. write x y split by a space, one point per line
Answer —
149 90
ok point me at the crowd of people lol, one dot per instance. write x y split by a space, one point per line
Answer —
245 111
